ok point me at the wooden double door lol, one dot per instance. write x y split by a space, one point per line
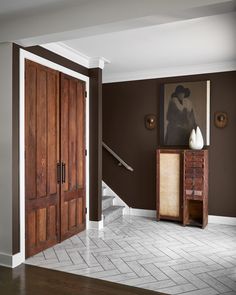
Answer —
54 157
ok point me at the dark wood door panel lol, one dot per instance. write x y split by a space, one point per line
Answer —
40 203
80 172
72 217
41 157
41 133
72 155
30 130
41 229
54 142
70 195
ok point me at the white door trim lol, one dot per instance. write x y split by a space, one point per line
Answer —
28 55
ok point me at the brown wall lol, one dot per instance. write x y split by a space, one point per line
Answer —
95 142
15 152
124 106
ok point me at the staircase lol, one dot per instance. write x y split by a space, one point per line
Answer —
110 211
112 206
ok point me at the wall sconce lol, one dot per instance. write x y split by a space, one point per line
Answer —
221 119
150 121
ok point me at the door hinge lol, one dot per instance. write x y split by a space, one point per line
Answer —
85 210
85 93
86 152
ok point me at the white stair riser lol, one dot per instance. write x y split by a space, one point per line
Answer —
107 203
114 215
104 191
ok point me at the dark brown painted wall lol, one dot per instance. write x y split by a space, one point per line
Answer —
95 142
124 106
15 152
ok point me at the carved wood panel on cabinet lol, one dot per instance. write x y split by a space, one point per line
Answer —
195 187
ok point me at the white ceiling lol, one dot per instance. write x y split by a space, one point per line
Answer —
17 7
139 38
32 22
137 52
9 7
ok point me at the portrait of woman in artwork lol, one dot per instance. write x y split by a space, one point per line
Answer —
180 117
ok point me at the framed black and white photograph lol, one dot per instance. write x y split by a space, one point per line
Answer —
184 106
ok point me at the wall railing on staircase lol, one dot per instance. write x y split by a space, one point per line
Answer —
120 161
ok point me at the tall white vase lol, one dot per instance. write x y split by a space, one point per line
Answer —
196 140
200 141
192 140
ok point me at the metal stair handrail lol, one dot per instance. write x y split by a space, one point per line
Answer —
121 162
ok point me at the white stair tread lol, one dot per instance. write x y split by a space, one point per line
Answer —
107 197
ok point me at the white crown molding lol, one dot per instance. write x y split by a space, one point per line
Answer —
169 72
97 62
67 52
76 56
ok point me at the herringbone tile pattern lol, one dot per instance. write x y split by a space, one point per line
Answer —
161 256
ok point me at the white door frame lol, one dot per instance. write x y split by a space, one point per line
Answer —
20 257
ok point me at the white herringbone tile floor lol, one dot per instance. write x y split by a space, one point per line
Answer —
160 256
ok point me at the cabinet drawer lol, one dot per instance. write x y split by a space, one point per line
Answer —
194 153
194 172
194 186
194 164
194 158
193 194
194 180
193 197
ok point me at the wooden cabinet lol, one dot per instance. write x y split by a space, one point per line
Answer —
182 186
195 187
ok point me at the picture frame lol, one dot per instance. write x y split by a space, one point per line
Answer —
183 107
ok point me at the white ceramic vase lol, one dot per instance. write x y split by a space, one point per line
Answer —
196 140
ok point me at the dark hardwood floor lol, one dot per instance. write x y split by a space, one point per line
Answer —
31 280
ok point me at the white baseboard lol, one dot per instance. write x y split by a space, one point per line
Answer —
96 225
152 213
5 260
11 260
222 220
142 212
212 219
